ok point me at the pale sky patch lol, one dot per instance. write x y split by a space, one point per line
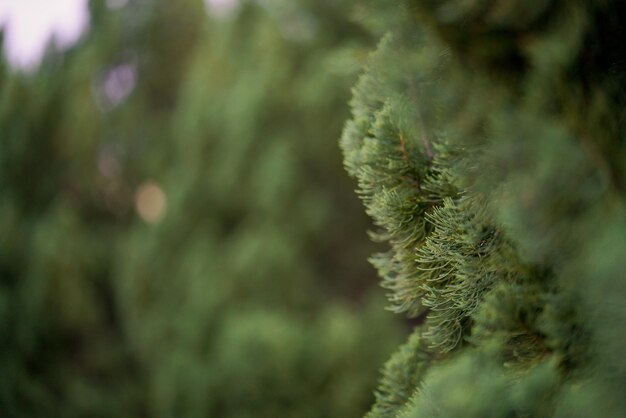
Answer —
30 24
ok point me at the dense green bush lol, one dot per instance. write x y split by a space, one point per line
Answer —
259 252
239 297
487 140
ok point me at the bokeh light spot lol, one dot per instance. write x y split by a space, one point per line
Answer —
116 85
150 202
108 162
221 8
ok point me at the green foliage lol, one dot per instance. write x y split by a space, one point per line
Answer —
487 142
243 299
266 175
400 377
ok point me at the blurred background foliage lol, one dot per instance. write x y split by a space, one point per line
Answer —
177 235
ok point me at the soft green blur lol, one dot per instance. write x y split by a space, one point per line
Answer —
177 235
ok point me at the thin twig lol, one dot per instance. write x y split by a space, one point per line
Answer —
403 147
